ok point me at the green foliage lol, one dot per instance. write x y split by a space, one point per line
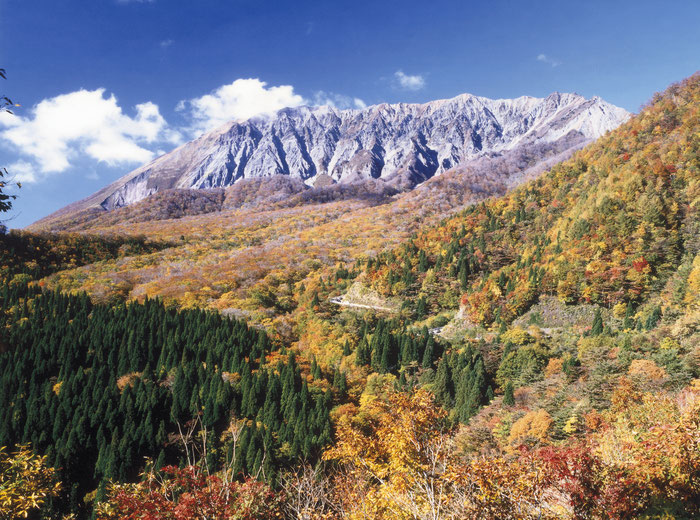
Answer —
653 318
97 387
522 366
508 398
388 347
460 383
597 327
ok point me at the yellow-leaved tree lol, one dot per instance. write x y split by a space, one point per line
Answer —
397 460
394 457
25 482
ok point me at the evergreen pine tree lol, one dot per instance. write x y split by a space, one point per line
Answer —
402 379
421 308
422 262
597 328
160 461
362 354
428 354
653 318
629 318
508 397
340 382
385 362
442 386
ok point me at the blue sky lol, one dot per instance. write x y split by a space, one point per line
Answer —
107 84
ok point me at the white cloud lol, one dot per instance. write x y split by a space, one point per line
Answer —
242 99
164 44
409 82
337 100
22 171
81 124
62 131
359 103
548 60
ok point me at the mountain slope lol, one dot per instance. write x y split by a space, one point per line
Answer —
587 404
609 226
401 143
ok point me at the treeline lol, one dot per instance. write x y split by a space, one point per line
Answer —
97 388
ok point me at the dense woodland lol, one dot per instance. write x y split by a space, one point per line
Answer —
608 227
96 388
534 355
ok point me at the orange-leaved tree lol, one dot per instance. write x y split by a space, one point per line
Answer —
190 494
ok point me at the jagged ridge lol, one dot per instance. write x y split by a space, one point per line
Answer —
404 144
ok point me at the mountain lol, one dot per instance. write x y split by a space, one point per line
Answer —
403 144
610 226
539 350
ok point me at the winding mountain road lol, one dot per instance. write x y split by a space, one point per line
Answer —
338 300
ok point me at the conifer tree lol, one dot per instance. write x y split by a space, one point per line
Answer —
442 386
628 322
422 262
362 353
421 308
508 397
653 318
597 328
428 354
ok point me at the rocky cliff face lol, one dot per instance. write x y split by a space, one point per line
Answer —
403 144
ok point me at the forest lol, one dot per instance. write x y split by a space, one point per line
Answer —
531 353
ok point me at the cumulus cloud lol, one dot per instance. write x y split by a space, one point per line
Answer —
409 82
164 44
242 99
340 101
22 171
80 124
548 60
61 131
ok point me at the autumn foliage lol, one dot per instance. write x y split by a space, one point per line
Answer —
26 482
190 493
534 356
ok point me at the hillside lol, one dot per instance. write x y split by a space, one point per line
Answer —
255 237
610 226
533 351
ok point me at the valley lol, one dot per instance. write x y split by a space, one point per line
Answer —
516 335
